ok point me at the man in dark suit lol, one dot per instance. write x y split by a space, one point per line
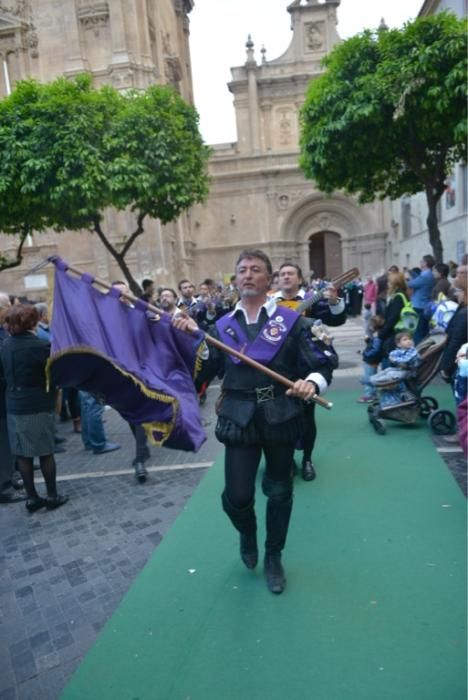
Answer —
257 414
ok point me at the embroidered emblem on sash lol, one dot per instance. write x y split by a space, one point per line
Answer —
273 330
230 331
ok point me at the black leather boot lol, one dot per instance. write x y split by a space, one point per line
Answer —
308 470
274 573
249 550
140 472
245 522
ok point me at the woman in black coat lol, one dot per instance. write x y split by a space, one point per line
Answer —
30 406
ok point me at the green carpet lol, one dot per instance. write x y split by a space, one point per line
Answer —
375 604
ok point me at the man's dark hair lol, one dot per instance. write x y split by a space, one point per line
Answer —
209 282
249 253
146 284
393 268
296 267
442 269
21 318
429 260
117 282
179 286
169 289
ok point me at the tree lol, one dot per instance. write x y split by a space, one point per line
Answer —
68 151
388 116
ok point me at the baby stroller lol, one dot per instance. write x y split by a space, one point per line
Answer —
413 404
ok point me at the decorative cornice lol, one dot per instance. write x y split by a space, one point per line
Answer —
183 6
93 15
14 22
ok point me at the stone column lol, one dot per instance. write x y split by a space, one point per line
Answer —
119 44
267 109
304 260
252 96
75 62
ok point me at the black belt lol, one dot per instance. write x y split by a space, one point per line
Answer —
260 394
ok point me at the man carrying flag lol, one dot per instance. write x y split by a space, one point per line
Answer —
256 414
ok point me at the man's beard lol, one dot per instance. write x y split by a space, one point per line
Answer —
249 293
168 308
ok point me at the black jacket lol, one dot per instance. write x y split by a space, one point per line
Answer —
299 356
23 360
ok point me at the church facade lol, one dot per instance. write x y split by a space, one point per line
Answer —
259 196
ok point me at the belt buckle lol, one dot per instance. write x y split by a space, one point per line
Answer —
265 393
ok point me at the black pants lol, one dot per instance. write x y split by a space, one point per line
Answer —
238 498
141 443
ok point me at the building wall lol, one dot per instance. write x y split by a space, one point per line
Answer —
124 43
259 196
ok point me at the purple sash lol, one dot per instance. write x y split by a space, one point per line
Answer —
268 342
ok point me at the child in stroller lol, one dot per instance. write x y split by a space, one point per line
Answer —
405 360
411 402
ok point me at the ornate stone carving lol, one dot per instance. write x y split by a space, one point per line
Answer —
13 7
173 70
17 22
172 65
285 126
324 220
122 78
282 201
314 36
93 15
32 41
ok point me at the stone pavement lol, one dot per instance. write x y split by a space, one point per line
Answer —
63 573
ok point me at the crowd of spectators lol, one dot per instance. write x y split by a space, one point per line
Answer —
432 296
29 410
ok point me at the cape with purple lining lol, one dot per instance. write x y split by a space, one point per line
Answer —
135 360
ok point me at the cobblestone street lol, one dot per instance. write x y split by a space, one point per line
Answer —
64 572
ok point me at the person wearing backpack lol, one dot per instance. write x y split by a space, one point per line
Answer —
399 314
421 287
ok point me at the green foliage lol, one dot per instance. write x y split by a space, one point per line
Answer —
388 117
68 151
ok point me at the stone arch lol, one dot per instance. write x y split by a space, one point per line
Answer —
324 223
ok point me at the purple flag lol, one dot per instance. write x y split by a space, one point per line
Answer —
142 367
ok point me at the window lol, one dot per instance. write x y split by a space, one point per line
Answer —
35 282
450 192
406 217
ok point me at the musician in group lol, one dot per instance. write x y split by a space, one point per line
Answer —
329 309
187 301
257 414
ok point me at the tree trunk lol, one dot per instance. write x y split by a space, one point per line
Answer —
433 195
5 263
119 258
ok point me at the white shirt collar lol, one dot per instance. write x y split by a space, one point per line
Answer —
269 306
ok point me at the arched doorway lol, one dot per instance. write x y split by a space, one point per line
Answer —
325 254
